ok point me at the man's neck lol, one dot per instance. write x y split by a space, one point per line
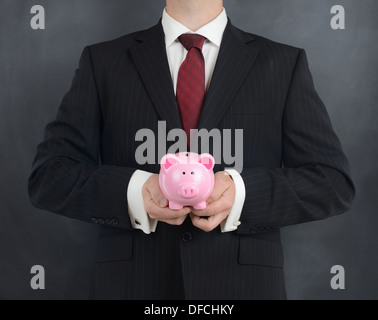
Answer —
194 14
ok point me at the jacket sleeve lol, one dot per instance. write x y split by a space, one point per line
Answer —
314 182
67 177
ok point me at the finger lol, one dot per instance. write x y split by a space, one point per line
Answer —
223 204
163 203
210 223
155 195
221 185
163 214
156 212
175 222
146 194
206 225
159 198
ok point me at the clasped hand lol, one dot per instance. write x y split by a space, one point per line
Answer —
218 207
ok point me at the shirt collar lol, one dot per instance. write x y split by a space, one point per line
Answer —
213 31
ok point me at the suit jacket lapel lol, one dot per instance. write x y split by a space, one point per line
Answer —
236 58
150 59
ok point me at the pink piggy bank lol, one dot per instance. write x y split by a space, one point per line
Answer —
187 179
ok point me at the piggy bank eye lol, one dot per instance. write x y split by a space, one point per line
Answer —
192 173
184 173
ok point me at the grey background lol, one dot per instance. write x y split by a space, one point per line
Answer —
36 69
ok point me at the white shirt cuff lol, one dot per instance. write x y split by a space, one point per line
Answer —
138 216
233 220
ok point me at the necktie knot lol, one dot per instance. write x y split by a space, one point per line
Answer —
190 41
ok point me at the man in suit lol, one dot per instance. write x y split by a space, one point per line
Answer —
294 167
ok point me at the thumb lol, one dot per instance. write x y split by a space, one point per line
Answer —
158 197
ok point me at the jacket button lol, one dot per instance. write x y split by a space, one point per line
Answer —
187 236
95 220
115 222
101 221
108 221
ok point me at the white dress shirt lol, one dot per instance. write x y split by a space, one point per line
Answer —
176 54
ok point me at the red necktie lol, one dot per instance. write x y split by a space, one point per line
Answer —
191 82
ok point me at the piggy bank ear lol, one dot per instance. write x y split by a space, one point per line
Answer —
168 161
207 160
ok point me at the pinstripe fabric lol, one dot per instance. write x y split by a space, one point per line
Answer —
294 167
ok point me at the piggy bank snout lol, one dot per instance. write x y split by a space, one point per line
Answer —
188 190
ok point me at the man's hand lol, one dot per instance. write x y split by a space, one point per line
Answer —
156 205
219 206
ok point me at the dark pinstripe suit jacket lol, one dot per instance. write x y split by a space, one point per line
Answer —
294 167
